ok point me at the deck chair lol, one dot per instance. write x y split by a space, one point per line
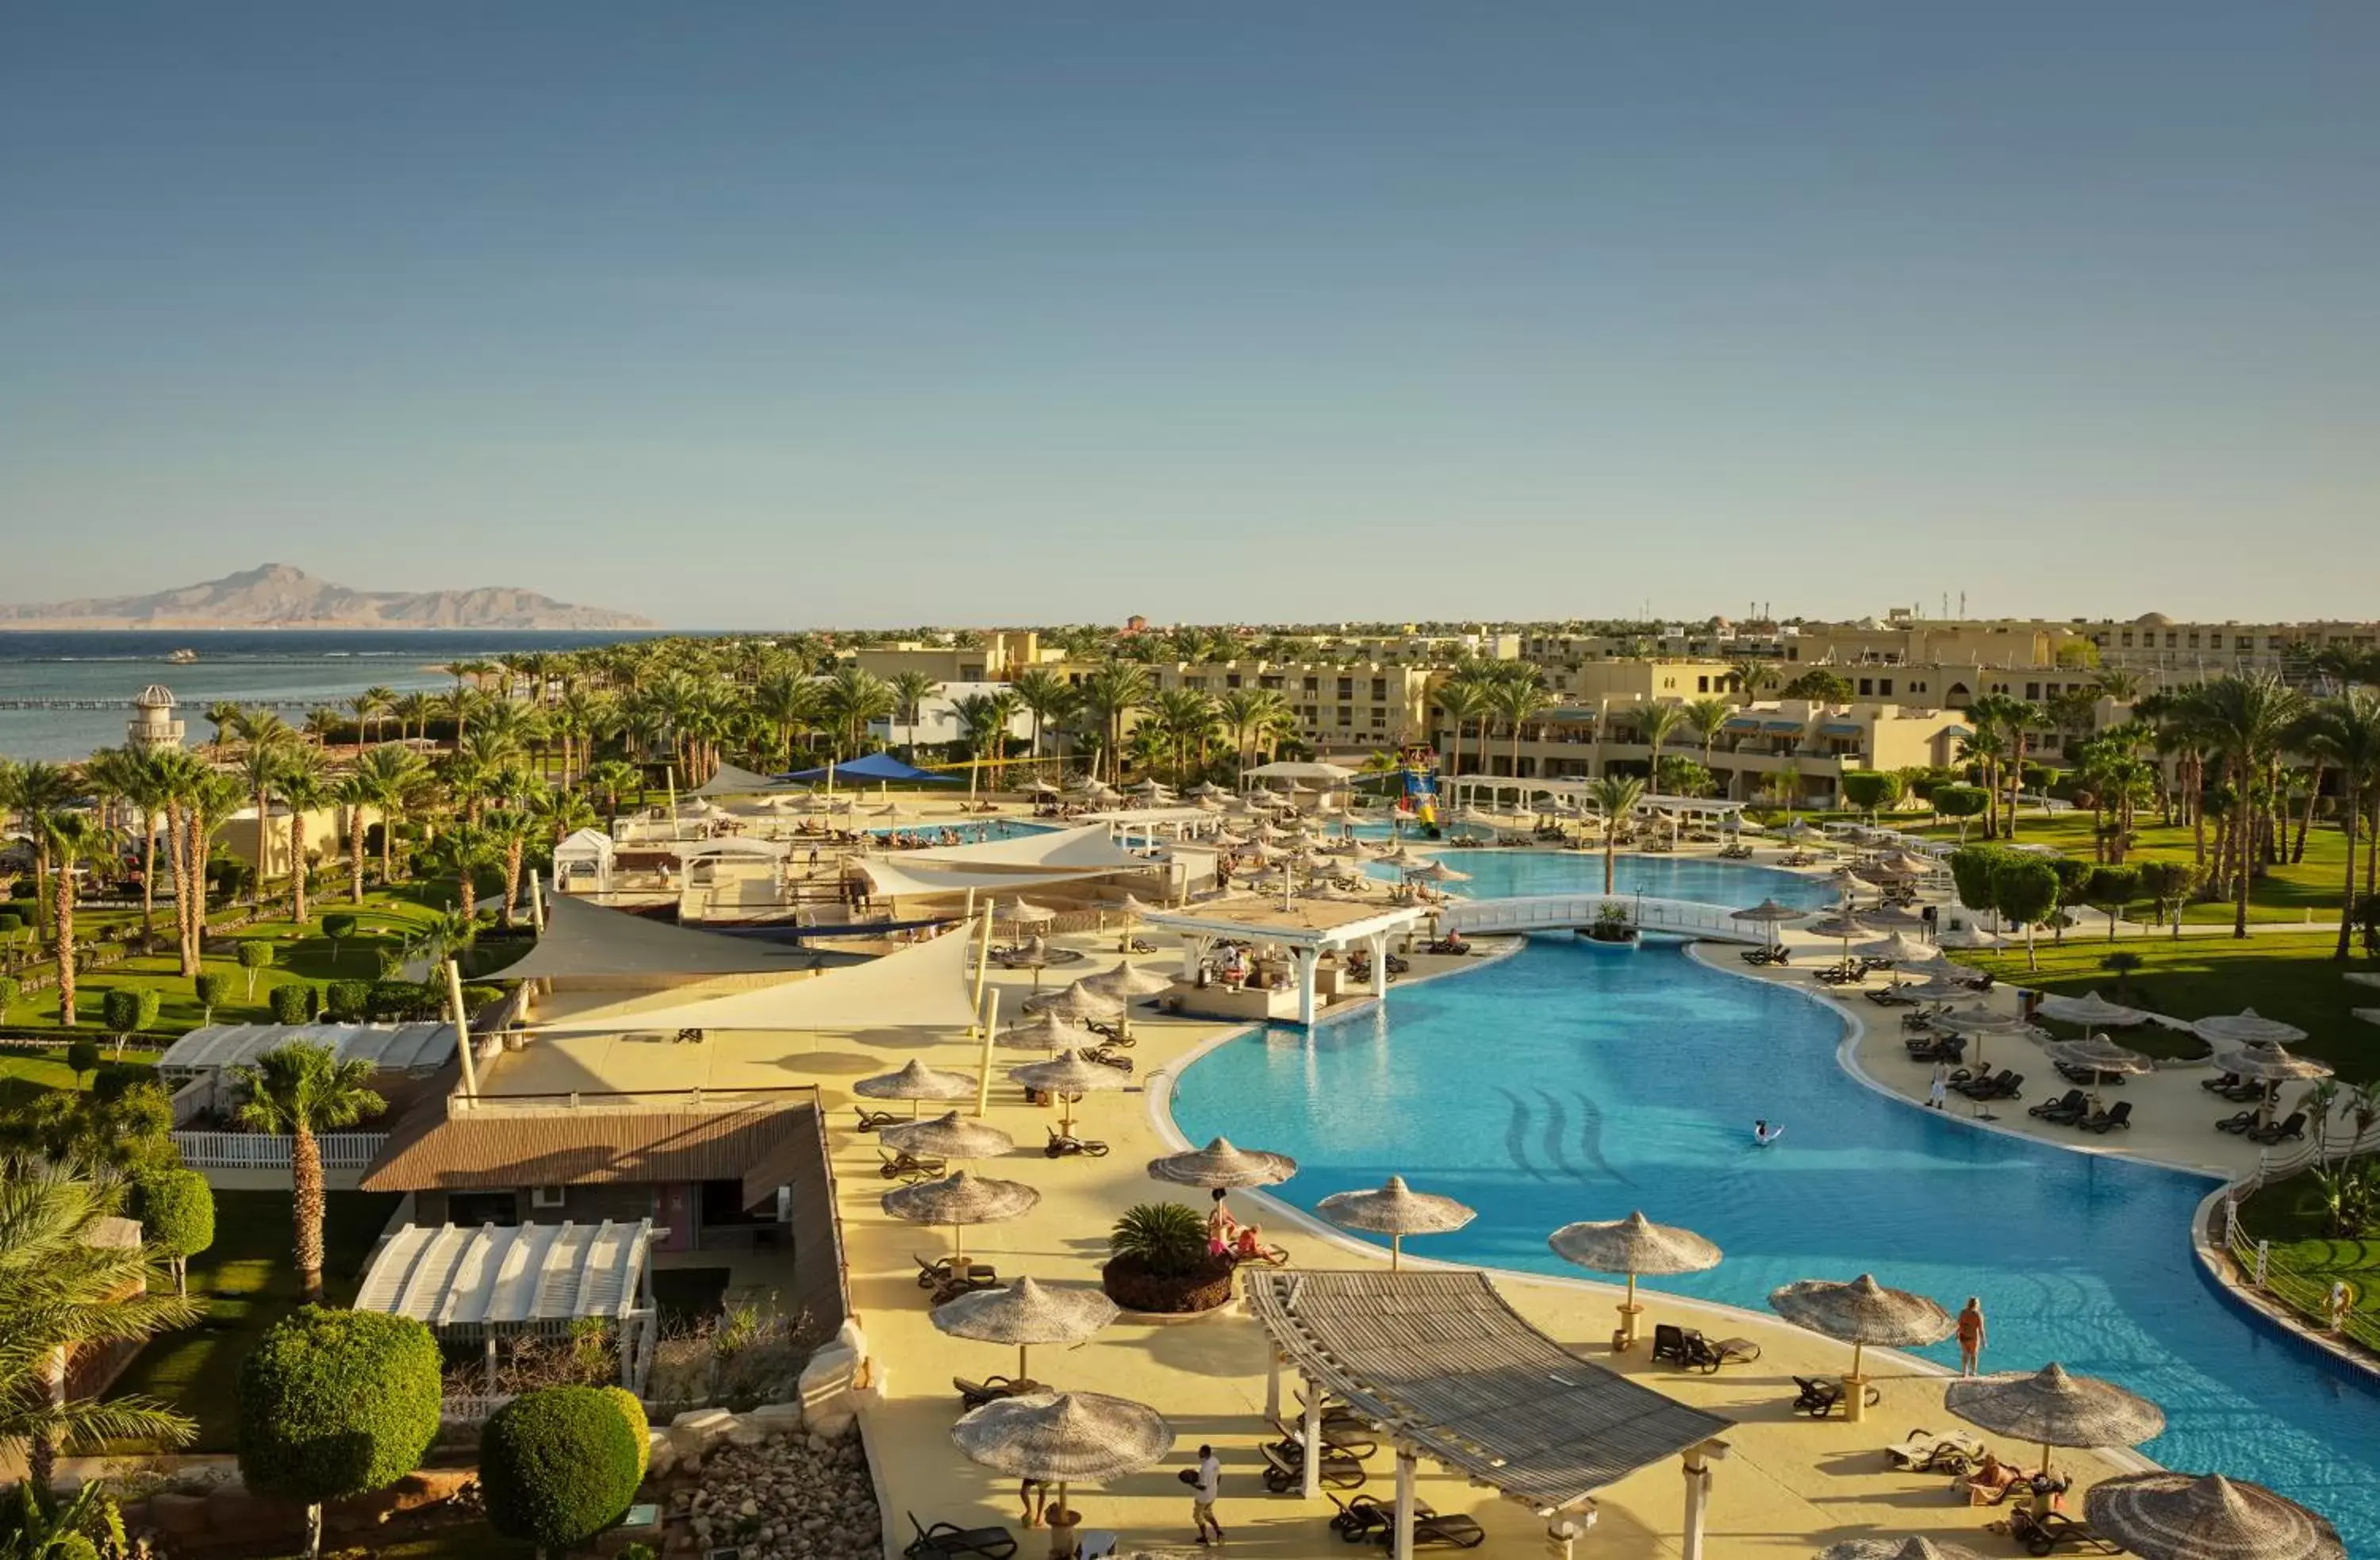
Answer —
2217 1084
1926 1451
974 1395
944 1540
2071 1101
1708 1357
1819 1396
870 1120
1285 1469
905 1167
1356 1440
2239 1121
2118 1114
2294 1127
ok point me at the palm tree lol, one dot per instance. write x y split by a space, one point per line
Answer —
979 718
610 780
1707 718
910 691
1464 702
2246 720
73 838
354 792
304 784
1616 796
62 1290
395 774
1109 696
1516 701
1047 696
413 711
1655 723
224 715
1187 719
508 832
302 1090
372 706
852 700
269 740
1751 678
460 851
2345 732
130 778
36 790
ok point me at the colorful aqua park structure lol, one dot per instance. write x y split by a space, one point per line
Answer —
1417 782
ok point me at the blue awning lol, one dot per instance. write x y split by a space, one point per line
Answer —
1842 728
1743 722
1781 725
1572 715
873 766
1956 731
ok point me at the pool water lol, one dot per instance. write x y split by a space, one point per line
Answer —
976 832
1505 874
1574 1082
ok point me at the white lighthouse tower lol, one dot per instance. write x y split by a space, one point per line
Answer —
154 728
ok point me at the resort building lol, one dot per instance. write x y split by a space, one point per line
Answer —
1338 706
2156 645
939 721
154 728
997 655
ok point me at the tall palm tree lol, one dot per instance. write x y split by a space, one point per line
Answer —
789 703
36 790
225 716
611 779
1006 704
63 1289
1616 796
413 711
1517 700
1187 718
1655 723
2246 721
1751 678
304 784
509 831
73 839
1707 719
1047 696
2345 732
269 740
853 697
394 775
372 707
301 1090
353 794
126 780
979 718
1111 695
1464 702
910 691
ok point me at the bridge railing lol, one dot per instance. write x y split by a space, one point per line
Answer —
1545 912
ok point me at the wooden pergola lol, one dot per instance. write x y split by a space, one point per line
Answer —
1448 1370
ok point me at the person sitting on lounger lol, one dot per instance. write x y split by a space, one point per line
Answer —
1250 1246
1992 1479
1220 1227
1763 1134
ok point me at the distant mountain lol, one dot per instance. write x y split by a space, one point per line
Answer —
277 596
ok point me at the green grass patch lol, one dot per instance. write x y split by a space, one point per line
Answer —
249 1281
2289 1213
2281 975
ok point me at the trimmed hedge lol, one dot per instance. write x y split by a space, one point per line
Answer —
346 1002
640 1427
558 1466
336 1403
292 1003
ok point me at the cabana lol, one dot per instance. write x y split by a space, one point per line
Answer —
582 862
882 768
1306 942
733 782
588 944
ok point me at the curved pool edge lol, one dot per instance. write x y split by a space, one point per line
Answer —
1161 1119
2214 1268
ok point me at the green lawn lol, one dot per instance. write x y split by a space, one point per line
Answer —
2281 975
2289 1213
2288 891
249 1281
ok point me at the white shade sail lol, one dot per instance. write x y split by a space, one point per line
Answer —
924 987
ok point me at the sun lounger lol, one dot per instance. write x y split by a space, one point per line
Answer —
2071 1101
974 1395
2120 1114
2294 1127
2217 1085
1924 1451
944 1540
904 1166
2243 1092
1338 1435
1062 1144
2239 1121
945 1271
1818 1397
1285 1467
870 1120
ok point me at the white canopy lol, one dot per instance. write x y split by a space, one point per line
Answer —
927 986
584 845
1087 848
900 876
730 844
1293 769
388 1047
462 1278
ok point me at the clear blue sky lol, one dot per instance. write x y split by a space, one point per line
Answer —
789 314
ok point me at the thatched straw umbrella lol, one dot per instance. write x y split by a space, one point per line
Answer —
1978 1023
2271 1065
1898 1548
2246 1027
1771 915
1860 1313
959 1199
1067 1075
948 1137
1843 926
2053 1408
1023 912
1126 984
1077 1001
1633 1245
1936 989
2101 1055
2093 1012
1396 1210
1064 1438
1222 1163
914 1082
2206 1517
1025 1313
1435 870
1045 1033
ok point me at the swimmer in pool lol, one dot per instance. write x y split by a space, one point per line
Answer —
1763 1134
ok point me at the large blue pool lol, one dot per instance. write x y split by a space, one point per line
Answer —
973 832
1571 1082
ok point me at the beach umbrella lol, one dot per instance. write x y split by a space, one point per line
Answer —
1025 1313
1063 1438
1067 1075
1403 857
1041 788
1633 1245
2164 1515
959 1199
948 1137
1206 804
914 1082
1895 950
1133 909
1077 1001
2366 979
1860 1313
2053 1408
2101 1055
1978 1022
1882 871
2369 1014
1435 871
1206 789
1771 915
1018 912
1843 926
2271 1065
1396 1210
1043 1032
2247 1027
1129 982
1936 989
1898 1548
1222 1163
2093 1012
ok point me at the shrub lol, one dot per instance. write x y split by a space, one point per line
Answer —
212 988
255 954
346 1002
558 1466
292 1003
82 1055
1961 802
177 1216
336 1403
10 989
394 1001
338 928
10 924
641 1427
1869 790
475 997
1166 1237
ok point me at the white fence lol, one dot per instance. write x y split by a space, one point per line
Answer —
1549 912
261 1151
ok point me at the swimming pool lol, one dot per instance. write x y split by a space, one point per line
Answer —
973 832
1568 1082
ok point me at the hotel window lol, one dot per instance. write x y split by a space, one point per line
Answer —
1866 686
1230 679
2033 690
1884 687
1347 716
2171 639
1702 685
1313 685
548 1197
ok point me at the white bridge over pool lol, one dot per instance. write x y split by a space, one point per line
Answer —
1556 912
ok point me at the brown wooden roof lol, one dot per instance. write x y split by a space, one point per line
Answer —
493 1149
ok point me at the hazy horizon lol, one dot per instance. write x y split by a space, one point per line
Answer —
1062 312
